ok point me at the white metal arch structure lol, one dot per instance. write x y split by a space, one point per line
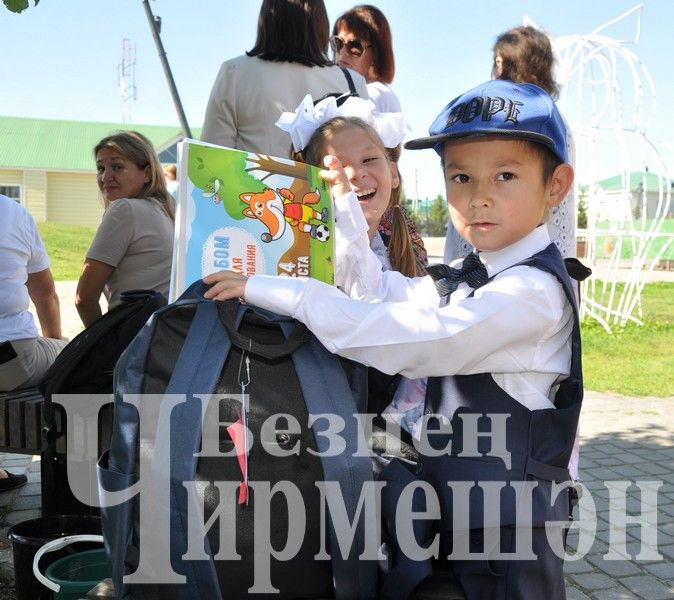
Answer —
608 99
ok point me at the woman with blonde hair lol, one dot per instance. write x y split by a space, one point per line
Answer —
133 246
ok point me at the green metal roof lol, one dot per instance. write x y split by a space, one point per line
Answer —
55 145
636 179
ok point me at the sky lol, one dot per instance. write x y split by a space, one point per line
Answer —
60 60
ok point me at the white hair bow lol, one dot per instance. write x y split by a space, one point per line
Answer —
302 123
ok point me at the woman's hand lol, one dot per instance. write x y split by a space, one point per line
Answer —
335 176
225 285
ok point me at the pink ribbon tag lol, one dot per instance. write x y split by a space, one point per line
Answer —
238 434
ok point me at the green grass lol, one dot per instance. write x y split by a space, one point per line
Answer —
67 246
626 248
634 360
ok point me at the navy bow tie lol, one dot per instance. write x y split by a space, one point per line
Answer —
447 279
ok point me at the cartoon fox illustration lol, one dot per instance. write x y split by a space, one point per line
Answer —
276 207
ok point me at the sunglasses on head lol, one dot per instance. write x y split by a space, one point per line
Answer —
353 47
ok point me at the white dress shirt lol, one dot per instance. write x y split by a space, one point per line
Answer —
384 97
517 327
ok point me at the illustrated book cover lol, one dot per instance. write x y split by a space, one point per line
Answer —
249 212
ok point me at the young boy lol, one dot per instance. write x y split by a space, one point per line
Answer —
501 347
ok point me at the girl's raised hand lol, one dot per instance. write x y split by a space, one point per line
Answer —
335 176
225 285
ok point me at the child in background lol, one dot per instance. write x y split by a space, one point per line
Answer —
171 174
497 333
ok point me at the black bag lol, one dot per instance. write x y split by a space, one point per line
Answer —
85 366
196 346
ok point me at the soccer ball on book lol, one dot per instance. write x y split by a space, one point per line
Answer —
320 233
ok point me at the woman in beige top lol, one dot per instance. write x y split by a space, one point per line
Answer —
289 61
133 246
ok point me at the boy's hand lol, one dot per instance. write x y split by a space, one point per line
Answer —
225 285
335 176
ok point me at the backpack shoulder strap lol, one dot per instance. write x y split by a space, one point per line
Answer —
349 80
117 466
197 371
128 380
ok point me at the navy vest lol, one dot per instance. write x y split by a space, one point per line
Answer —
539 442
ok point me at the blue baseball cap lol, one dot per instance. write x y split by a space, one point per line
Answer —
499 107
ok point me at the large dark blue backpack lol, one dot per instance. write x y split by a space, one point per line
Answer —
197 346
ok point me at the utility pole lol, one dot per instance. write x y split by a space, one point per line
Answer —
155 26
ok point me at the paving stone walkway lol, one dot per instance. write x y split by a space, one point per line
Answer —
627 466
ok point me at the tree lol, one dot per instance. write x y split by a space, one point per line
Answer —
581 218
436 224
264 162
17 6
